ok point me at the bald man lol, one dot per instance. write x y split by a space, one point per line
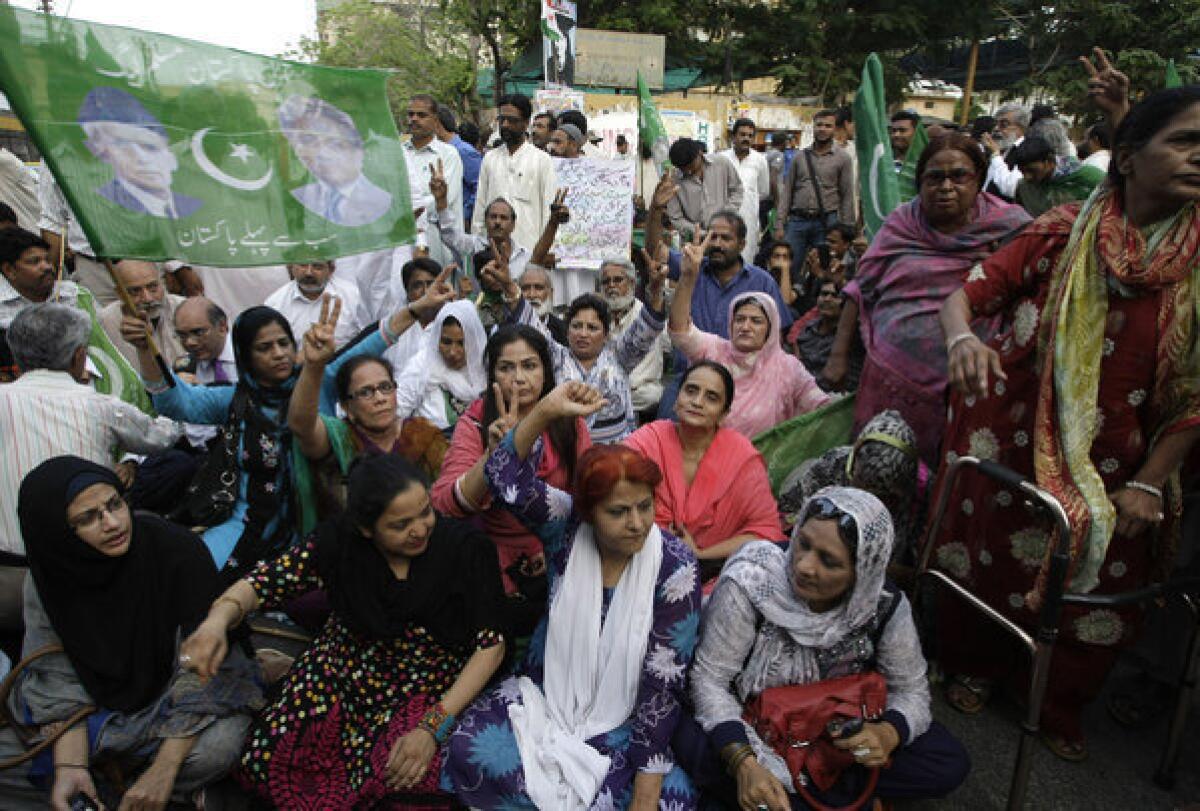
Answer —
144 282
202 327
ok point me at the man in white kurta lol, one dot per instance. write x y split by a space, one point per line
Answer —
755 175
519 172
422 152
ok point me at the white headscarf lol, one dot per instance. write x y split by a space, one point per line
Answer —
763 570
467 383
592 673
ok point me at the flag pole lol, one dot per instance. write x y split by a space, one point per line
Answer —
131 308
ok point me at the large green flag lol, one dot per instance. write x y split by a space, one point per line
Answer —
878 189
786 446
651 130
1172 78
906 179
172 149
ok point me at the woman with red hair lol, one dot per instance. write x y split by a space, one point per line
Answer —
587 722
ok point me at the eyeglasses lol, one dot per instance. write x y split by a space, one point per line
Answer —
959 177
367 392
90 518
613 281
198 334
826 510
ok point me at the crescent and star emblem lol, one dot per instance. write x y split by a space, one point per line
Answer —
240 151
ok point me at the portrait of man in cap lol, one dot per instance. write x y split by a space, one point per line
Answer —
123 134
326 141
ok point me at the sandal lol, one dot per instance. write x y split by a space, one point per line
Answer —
968 694
1070 751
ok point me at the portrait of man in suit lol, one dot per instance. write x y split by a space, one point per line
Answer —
123 134
326 141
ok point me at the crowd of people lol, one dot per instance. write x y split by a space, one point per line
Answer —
516 511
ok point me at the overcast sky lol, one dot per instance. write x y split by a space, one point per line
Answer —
267 27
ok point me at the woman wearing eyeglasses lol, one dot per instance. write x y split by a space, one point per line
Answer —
115 590
923 253
366 391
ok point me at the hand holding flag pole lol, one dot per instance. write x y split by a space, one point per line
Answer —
131 309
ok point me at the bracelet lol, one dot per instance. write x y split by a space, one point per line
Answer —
83 766
1145 488
241 611
464 501
734 754
958 339
437 722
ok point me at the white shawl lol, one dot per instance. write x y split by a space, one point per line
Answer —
591 674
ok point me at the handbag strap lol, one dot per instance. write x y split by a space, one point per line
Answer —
863 798
24 735
812 175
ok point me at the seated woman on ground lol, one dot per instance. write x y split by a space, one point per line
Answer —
116 590
447 375
814 342
366 392
883 461
714 494
412 640
252 494
819 610
589 356
519 374
772 386
588 721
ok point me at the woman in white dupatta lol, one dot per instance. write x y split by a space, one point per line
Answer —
587 722
447 374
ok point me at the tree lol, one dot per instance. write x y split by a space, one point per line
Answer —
423 48
505 27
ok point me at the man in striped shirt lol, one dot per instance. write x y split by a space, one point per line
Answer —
48 412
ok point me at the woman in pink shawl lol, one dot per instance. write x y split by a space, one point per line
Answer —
714 494
925 251
772 386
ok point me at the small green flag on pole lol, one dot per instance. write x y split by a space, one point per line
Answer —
906 180
172 149
650 127
1172 77
878 189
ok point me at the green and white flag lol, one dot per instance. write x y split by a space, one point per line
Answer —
1172 78
172 149
907 178
651 130
878 189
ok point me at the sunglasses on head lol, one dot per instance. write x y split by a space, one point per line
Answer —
825 510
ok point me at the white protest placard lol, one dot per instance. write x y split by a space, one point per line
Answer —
600 199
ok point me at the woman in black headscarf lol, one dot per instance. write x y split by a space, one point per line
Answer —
254 494
116 591
412 639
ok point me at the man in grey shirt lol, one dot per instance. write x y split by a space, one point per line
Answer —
809 208
705 185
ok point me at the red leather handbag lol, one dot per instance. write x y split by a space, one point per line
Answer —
794 721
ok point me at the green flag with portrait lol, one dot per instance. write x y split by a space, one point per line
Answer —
172 149
878 189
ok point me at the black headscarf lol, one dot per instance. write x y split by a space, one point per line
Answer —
453 588
118 617
265 446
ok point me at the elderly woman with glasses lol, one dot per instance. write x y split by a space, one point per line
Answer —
924 252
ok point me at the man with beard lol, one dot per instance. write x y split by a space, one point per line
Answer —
422 151
538 289
517 171
544 124
143 281
1011 122
901 129
300 300
567 142
618 281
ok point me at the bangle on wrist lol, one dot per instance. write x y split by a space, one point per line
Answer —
1133 484
437 722
958 339
83 766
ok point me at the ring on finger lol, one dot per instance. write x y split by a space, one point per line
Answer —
862 751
